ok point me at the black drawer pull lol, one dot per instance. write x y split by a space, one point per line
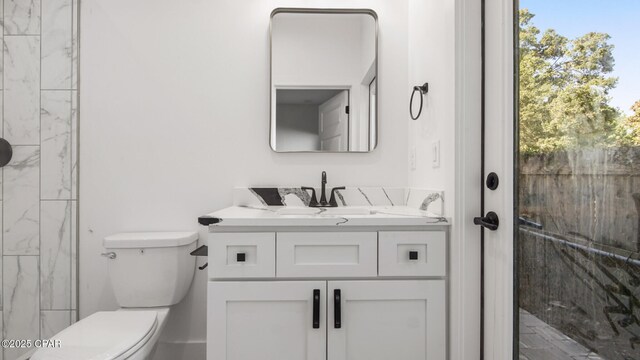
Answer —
316 308
337 309
413 255
241 257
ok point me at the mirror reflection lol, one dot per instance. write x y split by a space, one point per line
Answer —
323 80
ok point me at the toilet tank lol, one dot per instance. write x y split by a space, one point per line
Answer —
149 269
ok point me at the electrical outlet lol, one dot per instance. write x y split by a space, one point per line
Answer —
435 154
412 158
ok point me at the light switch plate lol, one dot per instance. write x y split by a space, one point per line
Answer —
435 154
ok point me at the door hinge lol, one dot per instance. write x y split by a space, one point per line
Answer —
346 109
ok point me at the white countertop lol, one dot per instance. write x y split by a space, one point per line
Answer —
246 216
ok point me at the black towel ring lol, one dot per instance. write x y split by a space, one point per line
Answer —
422 90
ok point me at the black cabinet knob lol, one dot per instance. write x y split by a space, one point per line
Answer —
413 255
241 257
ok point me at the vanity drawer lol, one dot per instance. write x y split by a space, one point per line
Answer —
412 253
327 254
242 255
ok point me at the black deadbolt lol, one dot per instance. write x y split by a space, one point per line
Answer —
492 181
6 153
241 257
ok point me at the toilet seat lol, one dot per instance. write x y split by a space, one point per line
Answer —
107 335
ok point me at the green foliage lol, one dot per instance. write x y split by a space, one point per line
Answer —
564 92
629 133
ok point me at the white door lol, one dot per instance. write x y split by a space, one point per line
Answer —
383 320
499 159
334 123
266 320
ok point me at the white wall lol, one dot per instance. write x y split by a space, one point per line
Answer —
444 50
432 60
175 113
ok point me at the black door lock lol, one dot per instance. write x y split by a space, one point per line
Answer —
490 221
492 181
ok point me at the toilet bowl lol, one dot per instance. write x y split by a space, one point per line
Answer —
149 272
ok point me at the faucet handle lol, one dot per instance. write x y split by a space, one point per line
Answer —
314 199
110 255
332 201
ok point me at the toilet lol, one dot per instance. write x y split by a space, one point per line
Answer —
149 272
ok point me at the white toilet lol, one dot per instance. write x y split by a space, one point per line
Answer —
149 272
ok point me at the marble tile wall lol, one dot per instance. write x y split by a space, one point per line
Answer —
38 111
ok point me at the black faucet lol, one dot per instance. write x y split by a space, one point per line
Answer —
323 197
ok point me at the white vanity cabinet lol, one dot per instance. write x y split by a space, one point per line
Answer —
266 320
365 294
386 319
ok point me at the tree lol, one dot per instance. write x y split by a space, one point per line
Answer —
564 90
635 118
629 134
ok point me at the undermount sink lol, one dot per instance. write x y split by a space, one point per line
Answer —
323 211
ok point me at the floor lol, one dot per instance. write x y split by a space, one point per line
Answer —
539 341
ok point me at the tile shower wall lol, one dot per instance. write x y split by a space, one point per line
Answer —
38 197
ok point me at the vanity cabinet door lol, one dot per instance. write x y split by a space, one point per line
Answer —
266 320
382 320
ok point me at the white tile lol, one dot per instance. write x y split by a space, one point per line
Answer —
55 255
57 44
75 42
1 92
21 310
52 322
21 17
22 90
21 203
1 116
74 254
1 330
1 257
56 145
74 145
1 52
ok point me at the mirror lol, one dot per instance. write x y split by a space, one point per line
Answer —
324 80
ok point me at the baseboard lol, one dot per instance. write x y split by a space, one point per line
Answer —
181 351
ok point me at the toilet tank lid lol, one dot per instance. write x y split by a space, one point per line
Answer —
149 239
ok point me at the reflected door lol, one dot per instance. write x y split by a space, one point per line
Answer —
333 116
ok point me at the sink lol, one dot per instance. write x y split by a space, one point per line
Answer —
324 211
298 211
346 211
